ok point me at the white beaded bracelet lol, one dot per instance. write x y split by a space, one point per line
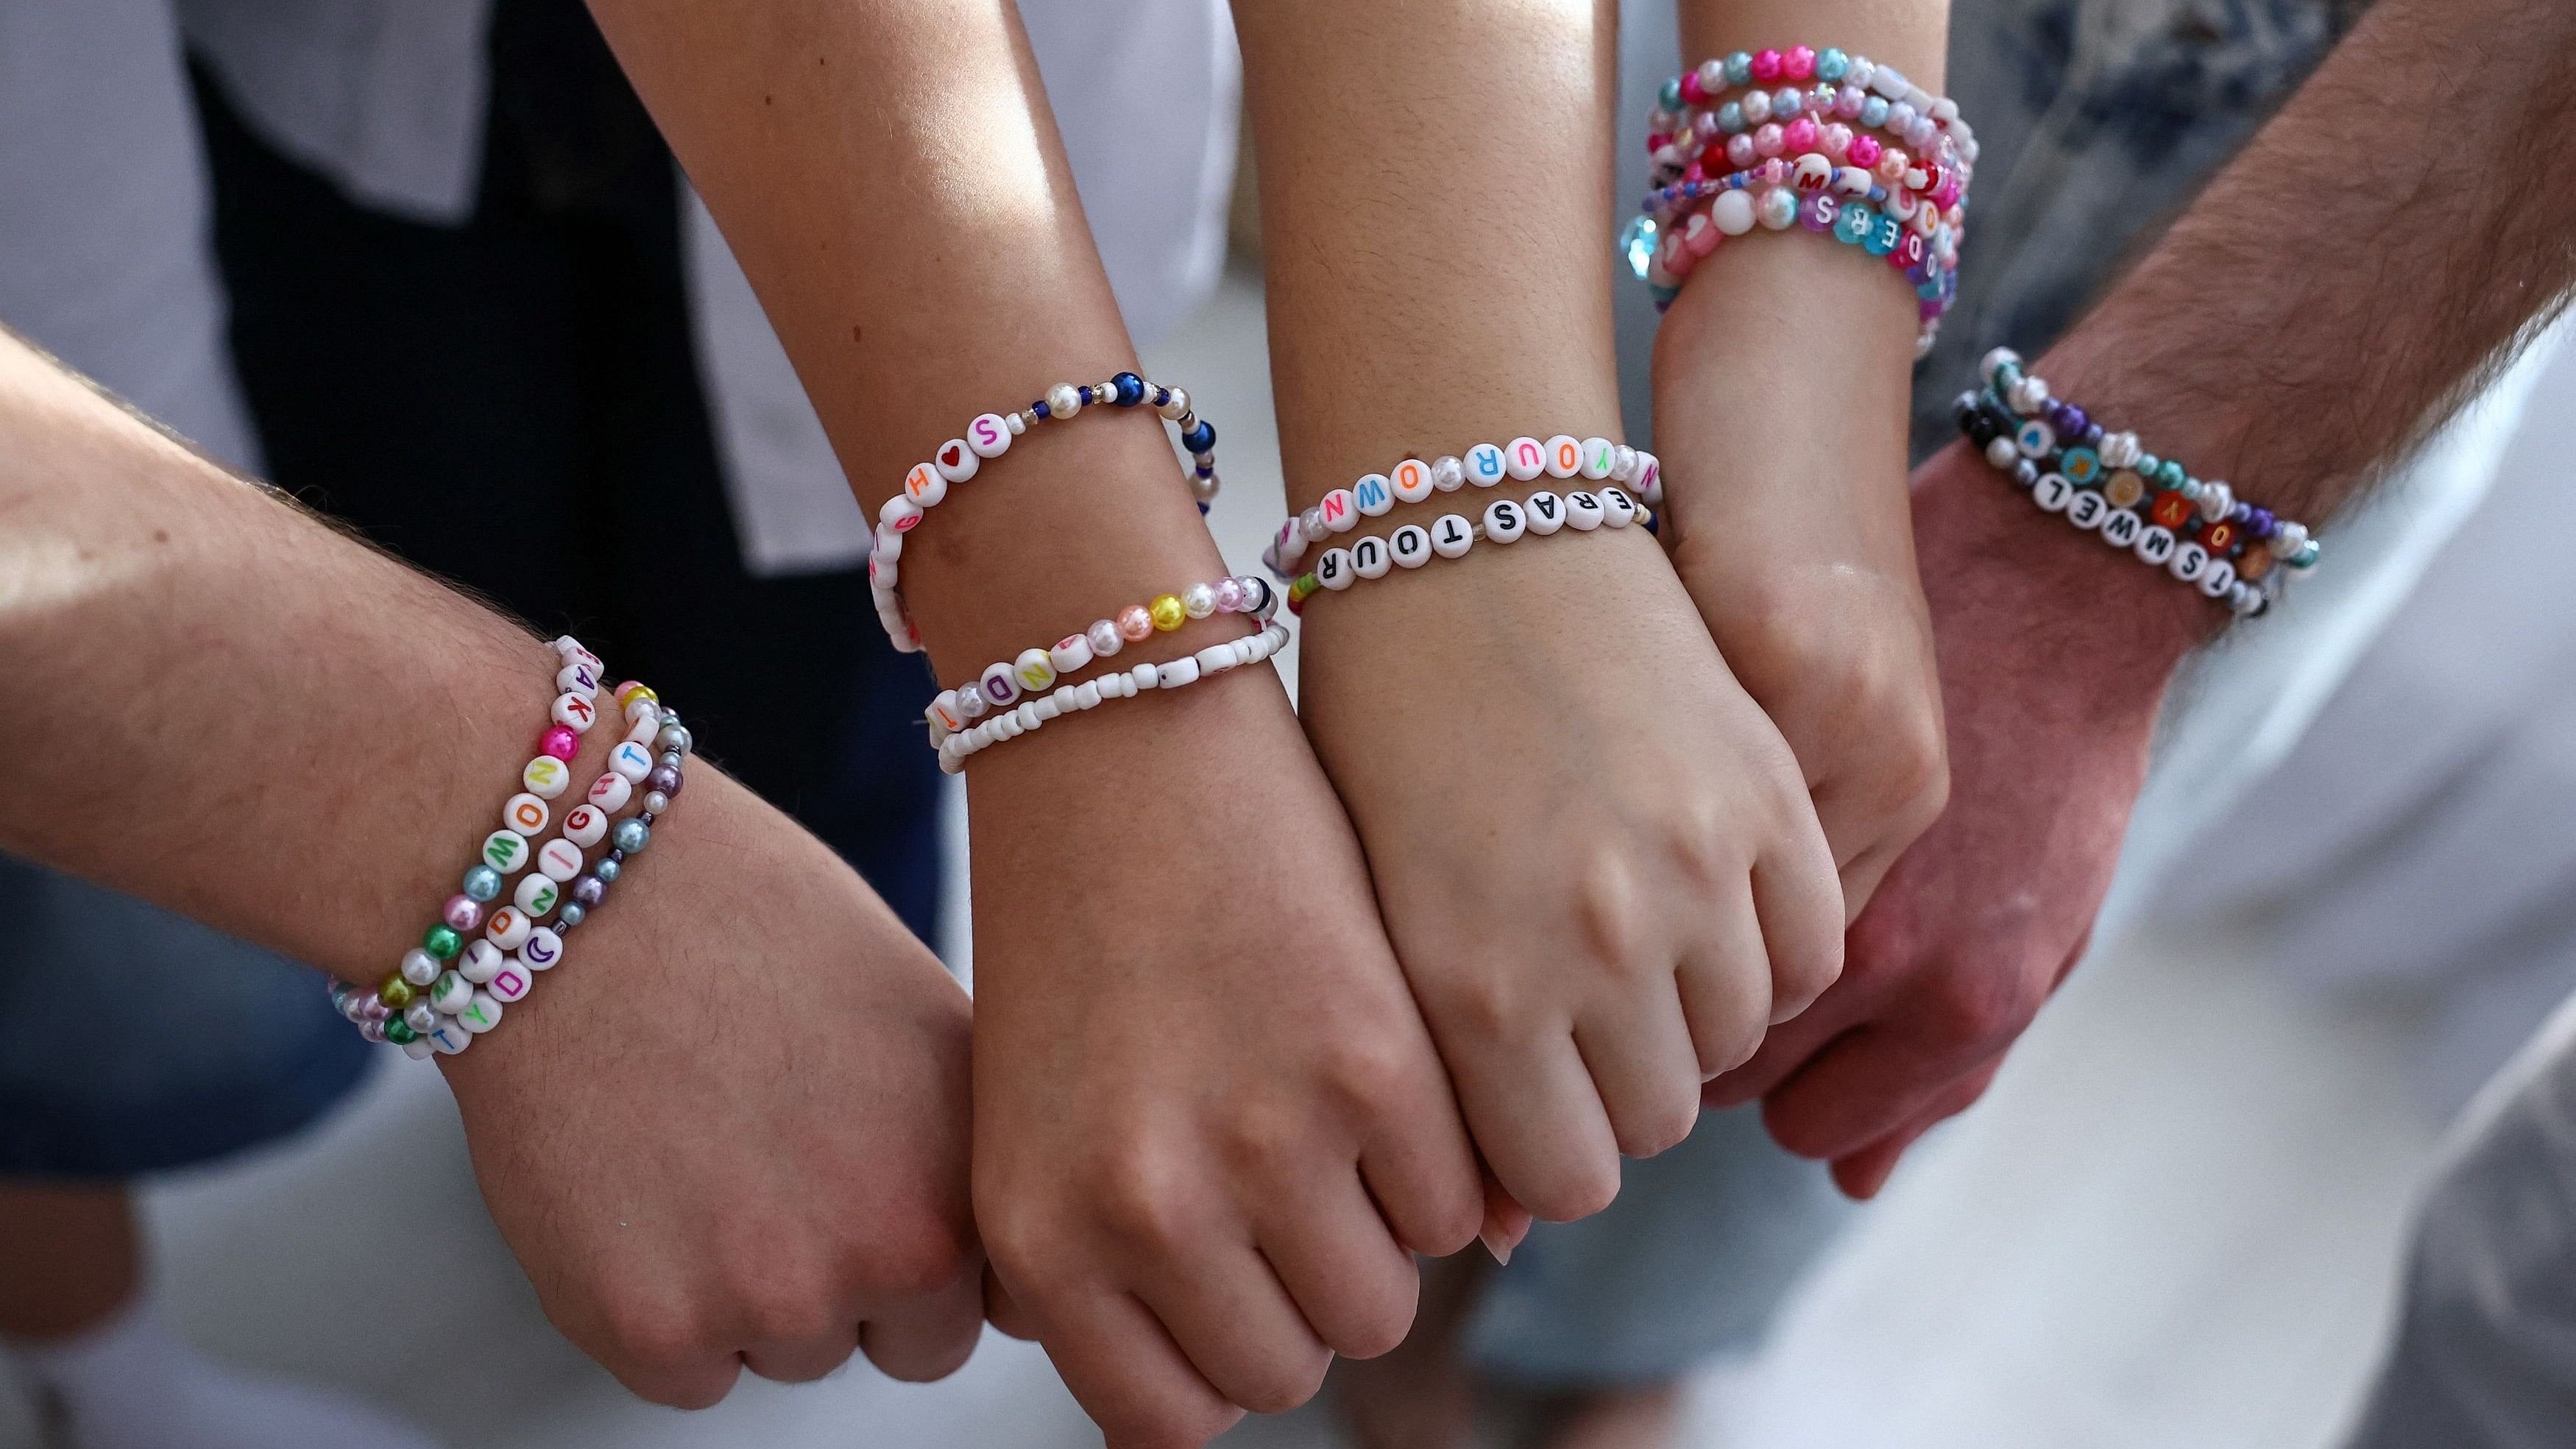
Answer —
1037 670
989 436
1092 693
1451 535
1486 464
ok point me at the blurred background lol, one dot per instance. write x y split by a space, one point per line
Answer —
2176 1220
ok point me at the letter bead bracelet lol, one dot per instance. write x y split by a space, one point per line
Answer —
990 436
1451 535
1792 158
2104 482
454 985
1486 464
1042 674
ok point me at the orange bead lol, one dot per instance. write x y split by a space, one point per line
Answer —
2170 510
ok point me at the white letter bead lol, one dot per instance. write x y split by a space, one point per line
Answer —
525 814
925 485
450 994
1070 653
1524 459
1035 671
1544 513
420 1048
1412 481
1375 494
480 1015
900 513
989 435
1617 509
1600 458
1485 465
1341 512
505 850
537 894
1450 536
1583 511
507 928
1649 478
610 792
1411 545
585 826
1334 571
956 463
2086 508
545 776
2155 544
1503 521
450 1036
2052 493
2215 579
2121 528
943 712
478 961
1369 558
1564 456
2188 560
577 678
631 760
575 711
511 985
1178 673
559 860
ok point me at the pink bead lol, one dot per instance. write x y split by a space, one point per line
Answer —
559 742
1134 623
1675 257
1834 140
1775 172
1948 195
463 912
1799 63
1657 142
1849 102
1229 596
1700 235
1766 66
1694 172
1767 140
1891 166
1865 150
1799 136
1692 92
1739 151
374 1009
1704 126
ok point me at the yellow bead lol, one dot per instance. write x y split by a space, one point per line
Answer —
1168 613
634 692
396 993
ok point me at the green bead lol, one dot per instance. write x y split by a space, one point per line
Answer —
2306 557
2171 475
399 1032
442 941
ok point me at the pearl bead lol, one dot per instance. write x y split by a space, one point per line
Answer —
1448 475
1104 638
1135 623
656 803
1733 212
675 739
1063 400
1167 613
1198 601
395 993
443 942
569 915
462 912
482 882
588 891
1229 595
631 836
1177 406
2002 453
559 741
1778 209
419 967
421 1016
609 868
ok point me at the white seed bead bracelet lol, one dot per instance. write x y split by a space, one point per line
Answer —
1485 464
1037 670
1066 699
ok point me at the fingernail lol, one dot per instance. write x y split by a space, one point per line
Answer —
1497 1242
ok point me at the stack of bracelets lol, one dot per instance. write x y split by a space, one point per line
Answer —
1013 697
477 960
2106 482
1453 534
1779 158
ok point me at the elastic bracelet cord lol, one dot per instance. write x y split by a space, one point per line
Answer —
990 436
454 986
2105 482
1451 535
1485 465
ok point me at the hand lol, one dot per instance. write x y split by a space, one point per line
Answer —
1595 856
732 1127
2054 657
1783 469
1210 1130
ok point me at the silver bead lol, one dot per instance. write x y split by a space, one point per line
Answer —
1063 400
607 869
656 803
670 760
674 739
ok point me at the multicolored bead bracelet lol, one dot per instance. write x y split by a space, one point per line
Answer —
1486 464
1850 88
449 989
2106 482
1067 699
1037 670
1451 535
989 436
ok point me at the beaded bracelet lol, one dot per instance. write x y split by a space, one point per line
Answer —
429 1005
1413 481
1037 670
2106 482
1066 699
1451 535
1850 88
989 436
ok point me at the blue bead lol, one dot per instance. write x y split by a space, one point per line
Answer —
1200 438
482 883
1873 112
1040 408
1207 470
1855 224
1883 237
608 870
1730 118
1131 389
1739 68
1670 97
1203 510
1832 64
1162 395
569 915
631 836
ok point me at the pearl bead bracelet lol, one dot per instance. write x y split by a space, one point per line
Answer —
990 436
1486 464
1037 670
1067 699
1451 535
2106 482
1847 87
449 989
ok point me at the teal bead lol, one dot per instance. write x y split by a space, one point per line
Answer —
442 941
2172 476
1884 236
2306 557
2147 465
1670 97
631 836
1832 65
482 883
607 868
1739 69
1730 119
1855 224
2190 487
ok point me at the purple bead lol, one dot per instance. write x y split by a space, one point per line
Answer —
374 1009
2093 435
2075 424
2260 524
588 891
464 914
664 779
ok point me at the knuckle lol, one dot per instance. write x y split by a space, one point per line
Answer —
1977 1009
1486 1007
657 1346
1287 1383
1261 1141
1372 1074
914 1256
1143 1199
1614 919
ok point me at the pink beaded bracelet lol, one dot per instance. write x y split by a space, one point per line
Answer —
989 436
1486 464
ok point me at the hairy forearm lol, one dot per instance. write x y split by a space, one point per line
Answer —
2372 256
